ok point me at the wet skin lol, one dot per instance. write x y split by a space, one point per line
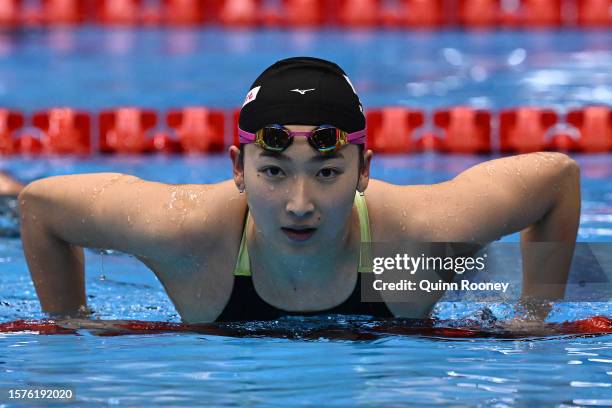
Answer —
189 235
8 185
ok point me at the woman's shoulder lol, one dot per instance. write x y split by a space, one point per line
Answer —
220 217
392 210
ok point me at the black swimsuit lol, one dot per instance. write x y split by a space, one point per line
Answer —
246 304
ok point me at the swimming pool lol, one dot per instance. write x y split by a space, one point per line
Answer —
164 69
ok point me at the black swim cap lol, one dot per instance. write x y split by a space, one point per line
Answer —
302 91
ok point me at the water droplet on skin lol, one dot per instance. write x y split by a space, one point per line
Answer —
403 213
82 220
271 188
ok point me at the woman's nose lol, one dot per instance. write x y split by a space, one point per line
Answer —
300 202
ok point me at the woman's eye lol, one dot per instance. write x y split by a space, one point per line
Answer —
328 173
273 171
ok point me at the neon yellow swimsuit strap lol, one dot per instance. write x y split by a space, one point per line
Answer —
365 251
243 264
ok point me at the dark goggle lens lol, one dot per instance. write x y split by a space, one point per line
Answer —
276 138
324 139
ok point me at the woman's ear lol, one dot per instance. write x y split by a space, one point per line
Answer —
237 167
364 176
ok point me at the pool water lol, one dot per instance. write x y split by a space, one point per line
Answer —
92 68
95 68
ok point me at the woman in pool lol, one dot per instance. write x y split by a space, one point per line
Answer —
283 237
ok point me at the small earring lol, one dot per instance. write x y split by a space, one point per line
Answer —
241 190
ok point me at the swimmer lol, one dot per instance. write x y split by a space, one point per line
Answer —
282 237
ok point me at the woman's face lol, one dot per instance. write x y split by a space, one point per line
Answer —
300 198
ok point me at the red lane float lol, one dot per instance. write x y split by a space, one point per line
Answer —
124 130
525 130
532 13
393 130
28 144
10 121
10 13
592 325
63 11
64 130
312 13
412 14
422 13
595 126
479 13
182 12
596 325
239 13
594 13
198 129
118 12
359 13
466 130
294 13
390 14
541 13
390 130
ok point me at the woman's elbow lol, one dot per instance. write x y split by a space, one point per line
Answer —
571 177
33 199
28 195
567 168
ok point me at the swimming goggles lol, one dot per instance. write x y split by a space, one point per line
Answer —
325 138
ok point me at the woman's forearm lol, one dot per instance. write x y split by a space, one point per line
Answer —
547 246
56 267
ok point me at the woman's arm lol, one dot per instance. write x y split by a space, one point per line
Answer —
62 214
8 185
537 194
547 246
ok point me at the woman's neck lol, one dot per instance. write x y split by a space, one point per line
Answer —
303 280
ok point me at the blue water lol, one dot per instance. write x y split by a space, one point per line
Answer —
92 68
95 68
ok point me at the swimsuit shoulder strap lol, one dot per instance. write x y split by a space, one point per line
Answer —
243 264
365 251
243 267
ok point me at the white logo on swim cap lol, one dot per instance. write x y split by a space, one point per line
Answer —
302 91
349 81
251 95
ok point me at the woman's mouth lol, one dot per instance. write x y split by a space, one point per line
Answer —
301 234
